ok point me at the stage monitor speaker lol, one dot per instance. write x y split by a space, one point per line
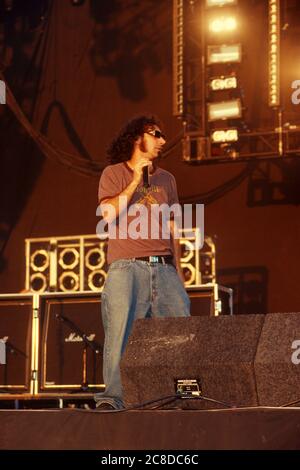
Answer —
16 311
219 351
277 362
71 343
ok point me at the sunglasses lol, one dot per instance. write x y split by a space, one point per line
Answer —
157 134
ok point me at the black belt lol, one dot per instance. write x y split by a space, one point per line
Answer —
156 259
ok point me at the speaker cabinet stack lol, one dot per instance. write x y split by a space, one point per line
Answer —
53 342
70 343
17 332
53 346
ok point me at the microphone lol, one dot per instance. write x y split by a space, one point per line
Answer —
146 177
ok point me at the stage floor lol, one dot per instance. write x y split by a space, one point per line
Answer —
62 429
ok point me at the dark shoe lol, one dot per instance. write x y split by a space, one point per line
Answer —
104 406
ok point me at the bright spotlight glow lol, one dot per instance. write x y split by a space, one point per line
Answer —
224 110
221 136
219 3
223 83
223 24
224 54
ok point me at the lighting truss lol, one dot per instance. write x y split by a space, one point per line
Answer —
178 55
207 87
274 53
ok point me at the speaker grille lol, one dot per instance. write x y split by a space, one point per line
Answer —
67 361
15 330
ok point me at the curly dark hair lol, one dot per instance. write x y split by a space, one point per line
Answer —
121 147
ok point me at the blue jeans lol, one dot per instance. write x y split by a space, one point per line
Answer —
134 289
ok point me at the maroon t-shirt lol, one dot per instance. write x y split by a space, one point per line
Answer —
162 190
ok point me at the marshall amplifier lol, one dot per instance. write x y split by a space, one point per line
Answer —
70 343
16 332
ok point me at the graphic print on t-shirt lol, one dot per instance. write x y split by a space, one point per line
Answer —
147 198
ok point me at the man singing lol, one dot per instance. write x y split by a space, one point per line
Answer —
144 277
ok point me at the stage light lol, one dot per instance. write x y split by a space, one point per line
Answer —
223 83
224 24
178 57
274 53
231 109
224 54
220 3
220 136
230 151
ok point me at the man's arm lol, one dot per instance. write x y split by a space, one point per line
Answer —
114 202
127 193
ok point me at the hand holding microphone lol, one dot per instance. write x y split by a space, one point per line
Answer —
146 183
142 171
